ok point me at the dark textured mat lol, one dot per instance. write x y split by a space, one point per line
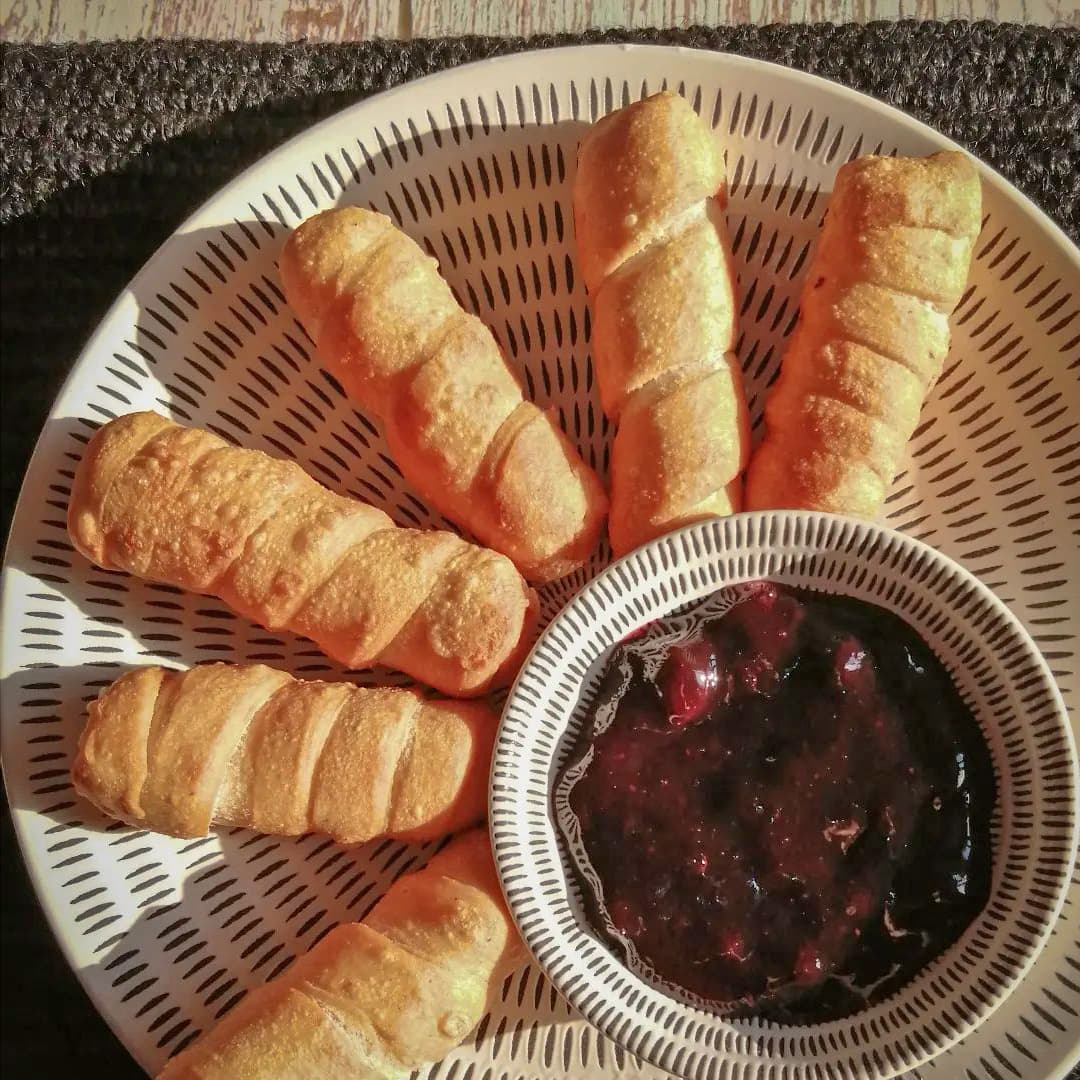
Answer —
106 148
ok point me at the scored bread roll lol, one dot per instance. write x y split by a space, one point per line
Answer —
890 267
182 506
243 744
649 203
376 999
387 325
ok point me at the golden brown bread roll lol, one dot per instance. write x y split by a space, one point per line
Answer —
243 744
182 506
649 215
376 999
389 328
890 267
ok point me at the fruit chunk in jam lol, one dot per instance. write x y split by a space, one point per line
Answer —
793 812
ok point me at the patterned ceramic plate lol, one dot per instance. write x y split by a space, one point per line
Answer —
477 164
999 673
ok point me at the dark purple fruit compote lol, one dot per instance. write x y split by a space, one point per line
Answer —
790 810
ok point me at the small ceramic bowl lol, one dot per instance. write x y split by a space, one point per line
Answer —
998 671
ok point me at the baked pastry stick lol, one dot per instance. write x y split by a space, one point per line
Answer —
890 267
182 506
374 1000
649 203
243 744
388 326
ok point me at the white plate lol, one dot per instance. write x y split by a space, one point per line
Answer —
477 163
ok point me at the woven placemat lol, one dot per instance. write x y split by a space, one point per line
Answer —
106 148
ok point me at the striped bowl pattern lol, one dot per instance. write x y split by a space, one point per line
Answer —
477 165
998 671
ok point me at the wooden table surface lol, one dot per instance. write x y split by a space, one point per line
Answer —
351 20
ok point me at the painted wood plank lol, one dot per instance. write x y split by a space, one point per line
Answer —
351 20
437 18
246 20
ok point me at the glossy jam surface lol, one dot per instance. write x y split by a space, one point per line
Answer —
791 810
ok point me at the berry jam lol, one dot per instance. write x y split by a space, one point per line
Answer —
789 811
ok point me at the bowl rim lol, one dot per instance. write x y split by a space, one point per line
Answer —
655 559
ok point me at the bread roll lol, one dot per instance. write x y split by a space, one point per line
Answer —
890 267
243 744
182 506
388 326
649 214
375 1000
